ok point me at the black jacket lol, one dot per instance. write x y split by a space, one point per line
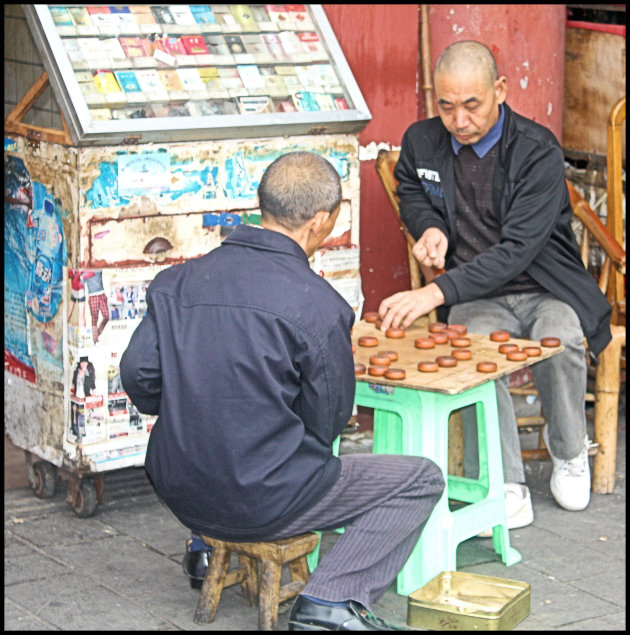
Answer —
245 354
532 200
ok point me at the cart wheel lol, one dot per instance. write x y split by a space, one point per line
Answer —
44 482
85 502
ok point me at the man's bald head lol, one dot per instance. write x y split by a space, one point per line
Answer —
464 55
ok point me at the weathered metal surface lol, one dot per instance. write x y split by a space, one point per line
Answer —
124 214
202 177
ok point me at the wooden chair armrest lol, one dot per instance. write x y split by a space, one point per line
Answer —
600 232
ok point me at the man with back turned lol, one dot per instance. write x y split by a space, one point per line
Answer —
245 356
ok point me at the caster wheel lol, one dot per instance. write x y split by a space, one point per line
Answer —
44 479
85 503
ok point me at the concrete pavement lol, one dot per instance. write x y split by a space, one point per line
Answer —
120 569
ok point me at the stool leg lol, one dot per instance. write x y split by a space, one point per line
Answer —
249 585
212 586
298 569
269 597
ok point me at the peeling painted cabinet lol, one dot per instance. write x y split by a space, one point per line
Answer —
88 225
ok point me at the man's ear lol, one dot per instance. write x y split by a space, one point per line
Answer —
500 88
319 220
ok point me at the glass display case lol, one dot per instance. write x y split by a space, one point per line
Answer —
144 73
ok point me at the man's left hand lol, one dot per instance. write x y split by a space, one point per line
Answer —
404 307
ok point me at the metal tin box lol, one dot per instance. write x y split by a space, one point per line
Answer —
458 601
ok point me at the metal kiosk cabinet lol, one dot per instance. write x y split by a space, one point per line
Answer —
170 114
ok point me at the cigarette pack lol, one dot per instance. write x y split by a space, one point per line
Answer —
135 46
150 83
300 17
113 49
144 17
232 81
173 46
217 45
170 80
194 45
190 79
252 79
274 45
203 14
81 19
106 82
128 81
245 17
308 76
255 45
163 15
311 43
255 104
74 53
224 17
291 43
279 15
210 77
235 44
262 17
182 14
124 19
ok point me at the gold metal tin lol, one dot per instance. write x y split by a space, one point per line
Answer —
459 601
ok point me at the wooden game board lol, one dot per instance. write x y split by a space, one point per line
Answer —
446 380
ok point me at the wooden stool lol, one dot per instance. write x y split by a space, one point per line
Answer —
269 594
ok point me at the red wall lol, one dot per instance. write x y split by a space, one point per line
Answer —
381 44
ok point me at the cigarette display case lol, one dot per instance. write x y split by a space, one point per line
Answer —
141 73
171 115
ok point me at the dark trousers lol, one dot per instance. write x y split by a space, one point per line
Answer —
383 501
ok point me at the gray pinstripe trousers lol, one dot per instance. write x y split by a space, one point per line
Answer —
383 501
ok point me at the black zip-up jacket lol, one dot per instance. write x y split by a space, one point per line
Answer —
245 355
532 200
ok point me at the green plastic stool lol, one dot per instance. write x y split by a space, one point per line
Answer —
411 421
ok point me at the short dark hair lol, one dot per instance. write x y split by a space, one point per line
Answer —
296 186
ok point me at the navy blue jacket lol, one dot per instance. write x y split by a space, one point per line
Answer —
532 200
245 355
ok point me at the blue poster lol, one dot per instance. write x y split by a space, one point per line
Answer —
46 251
34 256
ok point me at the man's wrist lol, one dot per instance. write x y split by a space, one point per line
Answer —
436 294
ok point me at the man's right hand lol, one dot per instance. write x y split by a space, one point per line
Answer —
430 250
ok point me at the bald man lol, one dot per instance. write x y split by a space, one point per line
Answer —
483 192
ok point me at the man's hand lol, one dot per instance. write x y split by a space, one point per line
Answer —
408 306
430 250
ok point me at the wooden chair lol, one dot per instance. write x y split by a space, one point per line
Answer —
268 593
614 219
607 377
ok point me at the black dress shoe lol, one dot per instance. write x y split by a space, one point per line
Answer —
195 564
307 615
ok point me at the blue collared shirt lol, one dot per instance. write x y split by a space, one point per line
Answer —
483 146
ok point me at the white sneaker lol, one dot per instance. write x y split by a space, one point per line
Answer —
518 508
571 479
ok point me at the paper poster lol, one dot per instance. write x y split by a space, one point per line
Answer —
143 173
104 308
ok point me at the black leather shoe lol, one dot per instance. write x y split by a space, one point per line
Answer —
195 564
306 615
